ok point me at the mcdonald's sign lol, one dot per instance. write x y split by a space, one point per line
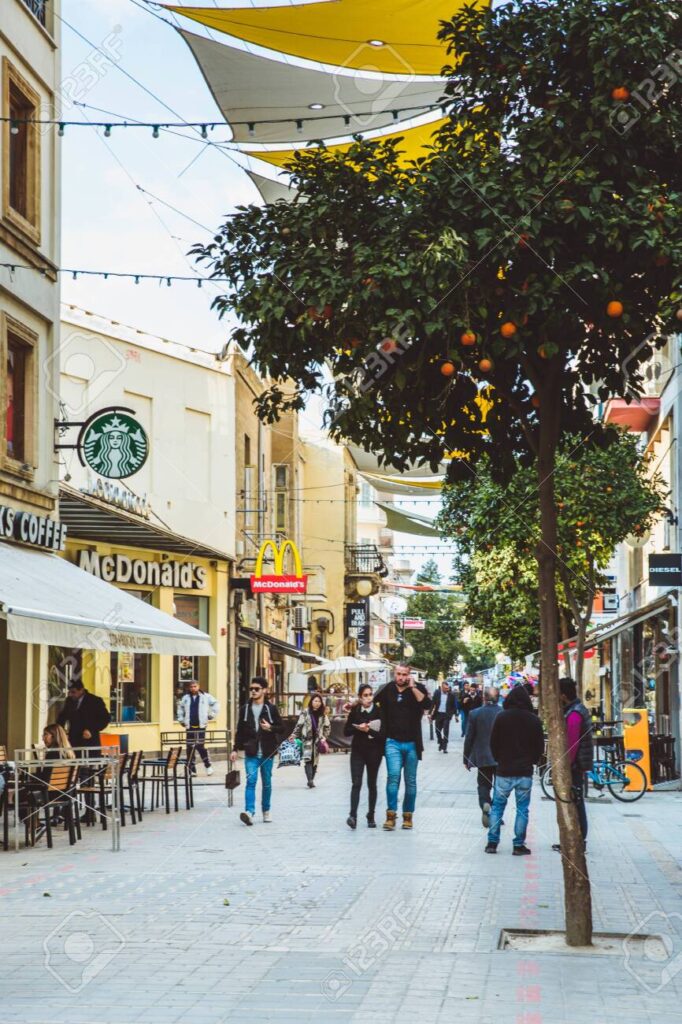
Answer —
279 582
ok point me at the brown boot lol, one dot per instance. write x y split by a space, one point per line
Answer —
389 824
407 819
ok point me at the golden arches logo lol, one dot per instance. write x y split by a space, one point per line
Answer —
278 582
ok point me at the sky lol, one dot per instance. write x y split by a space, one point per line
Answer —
108 223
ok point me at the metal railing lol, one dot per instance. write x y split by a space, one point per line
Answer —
39 8
363 558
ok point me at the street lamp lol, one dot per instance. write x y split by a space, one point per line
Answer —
364 588
408 651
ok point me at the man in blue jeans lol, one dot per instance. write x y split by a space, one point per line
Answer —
517 744
258 735
402 705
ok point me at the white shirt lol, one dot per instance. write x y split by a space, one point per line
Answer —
443 702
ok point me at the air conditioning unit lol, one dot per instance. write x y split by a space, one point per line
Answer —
301 616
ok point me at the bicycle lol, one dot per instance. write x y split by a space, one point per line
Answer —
625 780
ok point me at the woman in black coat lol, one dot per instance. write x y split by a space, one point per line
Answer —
367 749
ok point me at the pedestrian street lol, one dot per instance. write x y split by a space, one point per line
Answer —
199 918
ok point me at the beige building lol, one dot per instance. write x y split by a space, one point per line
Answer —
29 322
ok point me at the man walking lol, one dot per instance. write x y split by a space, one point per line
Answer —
83 715
258 734
517 743
195 711
578 747
401 705
477 752
471 699
442 710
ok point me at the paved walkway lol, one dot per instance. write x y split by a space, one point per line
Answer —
200 919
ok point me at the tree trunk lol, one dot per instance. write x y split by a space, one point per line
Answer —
565 652
577 897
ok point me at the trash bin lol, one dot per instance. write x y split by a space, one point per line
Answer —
636 740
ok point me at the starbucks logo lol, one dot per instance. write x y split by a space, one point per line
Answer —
113 444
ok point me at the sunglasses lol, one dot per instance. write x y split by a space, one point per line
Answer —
255 689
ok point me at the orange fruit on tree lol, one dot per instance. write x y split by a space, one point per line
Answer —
312 313
328 312
535 402
620 93
508 329
468 338
542 352
678 314
447 368
486 365
614 308
388 345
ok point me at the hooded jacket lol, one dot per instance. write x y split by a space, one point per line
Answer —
517 741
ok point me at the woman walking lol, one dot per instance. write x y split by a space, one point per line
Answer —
313 728
366 751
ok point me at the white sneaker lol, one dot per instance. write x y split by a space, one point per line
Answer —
266 816
209 770
246 818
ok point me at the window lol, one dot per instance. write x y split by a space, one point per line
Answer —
281 499
131 681
186 667
17 354
21 163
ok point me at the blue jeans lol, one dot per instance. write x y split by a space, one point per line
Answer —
401 756
464 716
253 764
522 787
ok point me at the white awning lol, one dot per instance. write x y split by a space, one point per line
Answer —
271 95
270 190
47 600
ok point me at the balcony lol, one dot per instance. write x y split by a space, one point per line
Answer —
636 415
38 8
364 559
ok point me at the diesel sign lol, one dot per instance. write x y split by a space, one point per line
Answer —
122 569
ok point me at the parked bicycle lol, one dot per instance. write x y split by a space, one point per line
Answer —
625 780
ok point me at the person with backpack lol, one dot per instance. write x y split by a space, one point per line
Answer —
258 734
366 751
312 729
578 747
517 743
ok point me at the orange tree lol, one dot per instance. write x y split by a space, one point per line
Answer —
602 495
543 221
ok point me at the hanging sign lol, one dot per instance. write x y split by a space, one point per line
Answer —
357 622
414 623
665 570
278 582
111 442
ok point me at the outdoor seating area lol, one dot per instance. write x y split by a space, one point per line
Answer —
47 800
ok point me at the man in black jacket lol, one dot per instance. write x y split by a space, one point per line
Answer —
259 730
443 707
517 743
83 715
402 704
477 752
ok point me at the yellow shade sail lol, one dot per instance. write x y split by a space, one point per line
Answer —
342 32
412 146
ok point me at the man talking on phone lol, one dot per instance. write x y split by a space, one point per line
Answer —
402 704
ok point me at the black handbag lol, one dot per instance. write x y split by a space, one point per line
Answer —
232 779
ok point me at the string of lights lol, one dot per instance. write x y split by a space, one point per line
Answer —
167 279
204 127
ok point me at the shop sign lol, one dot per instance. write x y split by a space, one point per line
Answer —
414 623
113 443
27 528
278 582
357 622
665 570
143 573
113 494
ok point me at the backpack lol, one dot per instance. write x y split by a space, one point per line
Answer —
290 752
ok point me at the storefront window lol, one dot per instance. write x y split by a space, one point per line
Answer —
193 611
131 681
65 667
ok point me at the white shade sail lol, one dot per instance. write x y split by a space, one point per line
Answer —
270 190
252 89
368 462
346 664
47 600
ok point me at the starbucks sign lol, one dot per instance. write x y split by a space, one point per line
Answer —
113 443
